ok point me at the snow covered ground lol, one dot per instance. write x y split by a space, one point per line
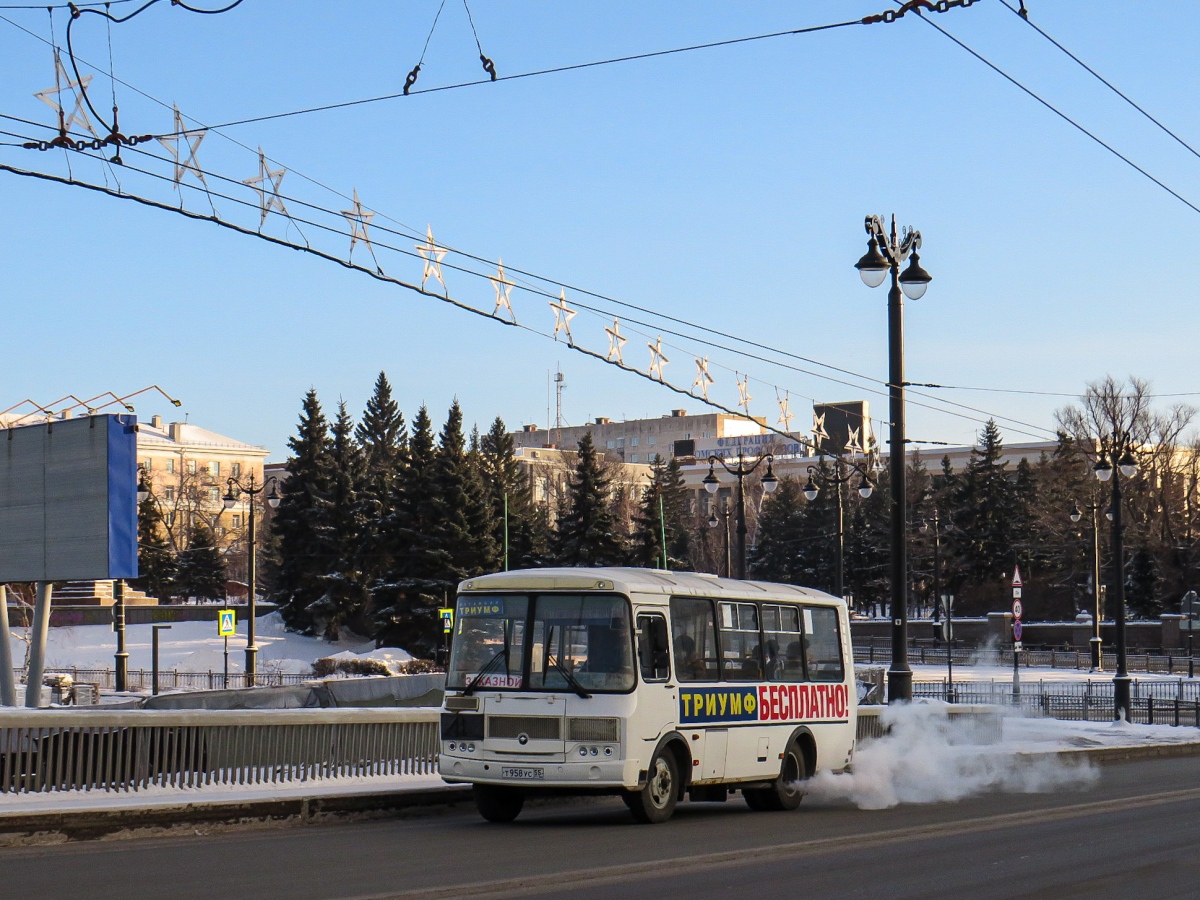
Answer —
195 647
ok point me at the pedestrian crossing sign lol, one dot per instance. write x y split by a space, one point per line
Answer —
447 614
226 623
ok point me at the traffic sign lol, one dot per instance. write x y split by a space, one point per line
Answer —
1017 646
226 623
1016 579
1017 609
1016 593
1017 630
447 614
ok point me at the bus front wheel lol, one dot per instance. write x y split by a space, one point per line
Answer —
498 804
655 802
787 790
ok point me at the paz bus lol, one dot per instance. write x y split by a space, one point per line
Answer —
650 684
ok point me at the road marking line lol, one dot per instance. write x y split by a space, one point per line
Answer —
526 885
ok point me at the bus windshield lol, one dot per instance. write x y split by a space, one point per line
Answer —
577 643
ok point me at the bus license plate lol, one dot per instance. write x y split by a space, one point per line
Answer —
526 773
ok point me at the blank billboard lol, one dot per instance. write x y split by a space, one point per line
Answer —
68 500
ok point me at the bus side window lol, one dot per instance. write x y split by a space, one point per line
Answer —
694 638
741 647
784 647
823 644
653 651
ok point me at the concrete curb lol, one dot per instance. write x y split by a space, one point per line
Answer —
45 827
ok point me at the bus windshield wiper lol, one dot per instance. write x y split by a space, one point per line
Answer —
564 671
501 654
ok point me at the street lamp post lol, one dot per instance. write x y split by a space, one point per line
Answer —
740 471
252 489
885 254
1076 516
838 479
1116 461
713 522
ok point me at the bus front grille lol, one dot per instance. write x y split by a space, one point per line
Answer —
593 728
538 728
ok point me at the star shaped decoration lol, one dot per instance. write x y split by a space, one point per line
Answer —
268 197
503 292
744 397
433 255
358 219
853 441
78 113
184 165
785 411
563 315
616 342
657 359
703 379
818 430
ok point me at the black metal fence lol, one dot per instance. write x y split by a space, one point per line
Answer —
170 680
878 651
1153 703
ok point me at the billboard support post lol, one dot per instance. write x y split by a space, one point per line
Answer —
37 644
121 657
8 684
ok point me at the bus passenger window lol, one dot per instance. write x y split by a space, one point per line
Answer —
695 639
783 651
653 652
741 650
823 643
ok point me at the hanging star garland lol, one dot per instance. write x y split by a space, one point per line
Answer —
818 430
616 343
853 442
703 379
358 219
503 289
78 114
563 315
433 255
744 397
657 359
193 139
268 197
785 411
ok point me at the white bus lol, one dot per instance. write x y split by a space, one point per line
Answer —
647 683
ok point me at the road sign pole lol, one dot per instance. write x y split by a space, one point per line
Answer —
226 662
948 609
1017 609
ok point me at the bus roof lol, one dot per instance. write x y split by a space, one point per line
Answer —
627 579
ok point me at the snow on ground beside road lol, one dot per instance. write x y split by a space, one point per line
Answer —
194 647
937 673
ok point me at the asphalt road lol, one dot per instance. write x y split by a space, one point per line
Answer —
1134 834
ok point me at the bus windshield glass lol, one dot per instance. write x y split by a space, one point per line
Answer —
489 642
581 642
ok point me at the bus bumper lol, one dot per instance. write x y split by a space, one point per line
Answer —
533 773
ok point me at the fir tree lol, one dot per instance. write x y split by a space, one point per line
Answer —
662 514
509 491
156 563
587 533
345 594
301 522
200 572
781 535
464 523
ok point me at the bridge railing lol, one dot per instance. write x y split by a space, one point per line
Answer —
131 750
876 651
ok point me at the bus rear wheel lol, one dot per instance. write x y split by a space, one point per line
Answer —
787 790
655 802
498 804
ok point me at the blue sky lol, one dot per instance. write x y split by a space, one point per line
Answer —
725 187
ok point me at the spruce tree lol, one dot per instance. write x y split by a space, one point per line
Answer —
510 494
345 594
201 571
587 533
776 554
301 523
662 513
156 563
464 522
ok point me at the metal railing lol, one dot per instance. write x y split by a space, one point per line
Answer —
130 750
170 680
1150 663
1151 708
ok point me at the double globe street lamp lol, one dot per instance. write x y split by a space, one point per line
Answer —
886 253
817 477
1115 460
251 488
740 471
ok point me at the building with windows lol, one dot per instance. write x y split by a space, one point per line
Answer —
638 441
